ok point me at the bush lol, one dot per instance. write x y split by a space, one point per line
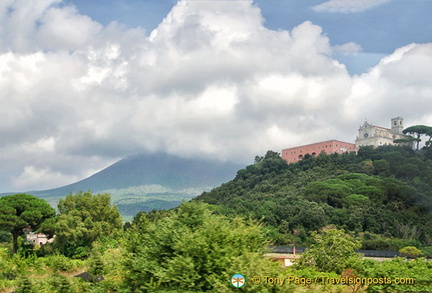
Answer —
59 283
195 250
333 251
25 286
410 252
59 263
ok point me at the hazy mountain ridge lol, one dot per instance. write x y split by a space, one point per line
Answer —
149 181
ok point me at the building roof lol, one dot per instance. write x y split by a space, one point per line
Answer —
310 144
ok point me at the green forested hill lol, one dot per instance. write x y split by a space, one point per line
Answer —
383 195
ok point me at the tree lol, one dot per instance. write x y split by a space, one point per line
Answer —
272 154
84 218
21 211
418 131
195 250
331 191
333 251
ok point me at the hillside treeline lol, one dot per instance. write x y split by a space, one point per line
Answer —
379 199
383 195
188 249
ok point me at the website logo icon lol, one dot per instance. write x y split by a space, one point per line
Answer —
238 280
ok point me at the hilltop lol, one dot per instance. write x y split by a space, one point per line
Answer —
383 195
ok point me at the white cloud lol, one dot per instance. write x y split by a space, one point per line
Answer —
35 178
73 103
214 101
19 20
398 84
348 6
44 144
64 28
350 48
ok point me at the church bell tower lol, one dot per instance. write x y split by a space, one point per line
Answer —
397 125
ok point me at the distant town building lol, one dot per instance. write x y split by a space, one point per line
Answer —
295 154
378 136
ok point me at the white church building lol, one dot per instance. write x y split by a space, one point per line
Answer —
378 136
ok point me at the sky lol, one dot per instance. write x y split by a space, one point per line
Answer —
86 83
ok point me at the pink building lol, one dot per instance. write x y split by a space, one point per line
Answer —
295 154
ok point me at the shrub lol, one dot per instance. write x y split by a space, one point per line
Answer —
195 250
59 263
410 252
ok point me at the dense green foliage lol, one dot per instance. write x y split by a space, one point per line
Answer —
83 219
193 250
410 251
380 197
401 275
383 195
332 251
21 211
